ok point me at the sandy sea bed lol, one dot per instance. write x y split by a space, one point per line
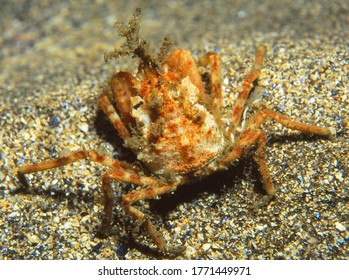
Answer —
52 71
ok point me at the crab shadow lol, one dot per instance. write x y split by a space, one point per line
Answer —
217 183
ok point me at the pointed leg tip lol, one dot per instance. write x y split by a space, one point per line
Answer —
264 201
332 131
22 179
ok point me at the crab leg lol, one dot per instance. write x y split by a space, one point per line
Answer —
244 142
153 190
181 63
212 59
260 117
122 175
113 116
121 172
246 88
70 158
260 160
252 135
123 86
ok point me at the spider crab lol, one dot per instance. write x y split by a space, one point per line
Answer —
169 119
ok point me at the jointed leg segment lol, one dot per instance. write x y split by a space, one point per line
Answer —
154 189
260 117
246 88
113 116
213 60
120 172
260 160
252 134
144 194
70 158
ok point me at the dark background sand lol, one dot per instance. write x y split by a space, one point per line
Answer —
52 70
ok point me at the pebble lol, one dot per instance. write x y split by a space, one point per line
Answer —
200 237
83 127
190 252
67 225
340 227
121 251
177 230
13 215
339 177
33 238
261 228
85 218
206 246
16 207
312 240
216 247
95 208
54 121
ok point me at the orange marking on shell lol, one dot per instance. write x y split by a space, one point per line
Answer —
182 156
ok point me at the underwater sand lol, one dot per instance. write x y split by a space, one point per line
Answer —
52 71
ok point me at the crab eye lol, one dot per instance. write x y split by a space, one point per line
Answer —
139 104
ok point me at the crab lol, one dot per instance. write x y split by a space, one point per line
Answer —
171 118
